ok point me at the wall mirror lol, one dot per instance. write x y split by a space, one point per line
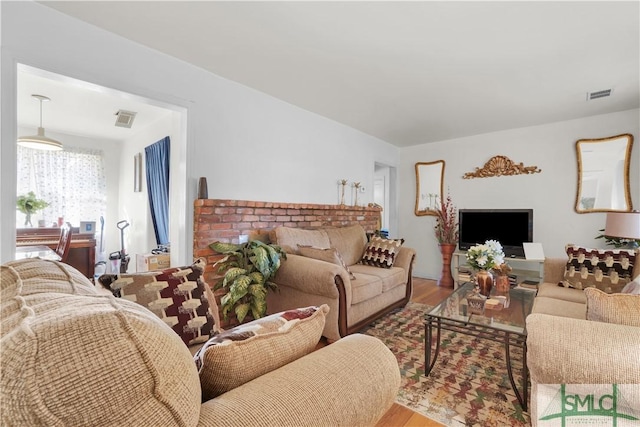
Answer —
429 184
603 174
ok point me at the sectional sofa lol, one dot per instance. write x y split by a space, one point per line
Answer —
73 354
582 337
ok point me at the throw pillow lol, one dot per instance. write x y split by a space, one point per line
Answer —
179 296
381 252
328 255
632 287
606 269
623 309
250 350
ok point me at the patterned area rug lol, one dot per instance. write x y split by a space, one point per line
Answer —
469 384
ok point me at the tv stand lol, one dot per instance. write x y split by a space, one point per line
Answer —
524 269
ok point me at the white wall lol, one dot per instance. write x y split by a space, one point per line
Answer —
248 145
551 193
139 237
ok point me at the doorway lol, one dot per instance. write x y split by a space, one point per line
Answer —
75 103
384 178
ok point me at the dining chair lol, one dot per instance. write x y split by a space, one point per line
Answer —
64 244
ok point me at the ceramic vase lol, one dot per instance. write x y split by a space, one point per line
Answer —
446 279
484 279
502 283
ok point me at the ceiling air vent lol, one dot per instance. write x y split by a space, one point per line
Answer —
598 94
124 119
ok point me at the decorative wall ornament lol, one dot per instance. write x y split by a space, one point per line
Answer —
343 184
501 166
357 186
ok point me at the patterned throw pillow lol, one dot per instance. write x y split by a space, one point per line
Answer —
250 350
381 252
179 296
606 269
328 255
622 309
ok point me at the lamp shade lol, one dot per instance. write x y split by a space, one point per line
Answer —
625 225
39 141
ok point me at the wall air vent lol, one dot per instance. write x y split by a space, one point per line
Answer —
599 94
124 119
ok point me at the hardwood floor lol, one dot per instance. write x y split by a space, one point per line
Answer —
426 292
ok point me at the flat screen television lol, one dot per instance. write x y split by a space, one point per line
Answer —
510 227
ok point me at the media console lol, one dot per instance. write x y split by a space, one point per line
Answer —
524 269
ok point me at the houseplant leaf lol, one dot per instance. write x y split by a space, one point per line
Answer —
241 311
247 267
225 248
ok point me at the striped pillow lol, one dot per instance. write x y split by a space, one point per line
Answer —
381 252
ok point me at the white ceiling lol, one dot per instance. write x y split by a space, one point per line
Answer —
406 72
79 108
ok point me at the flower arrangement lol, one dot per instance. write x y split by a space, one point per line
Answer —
486 256
446 228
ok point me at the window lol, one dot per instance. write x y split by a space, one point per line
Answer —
72 181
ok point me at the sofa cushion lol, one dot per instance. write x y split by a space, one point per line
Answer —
325 254
288 238
561 308
390 277
365 287
72 357
250 350
552 290
606 269
622 309
349 241
381 252
178 295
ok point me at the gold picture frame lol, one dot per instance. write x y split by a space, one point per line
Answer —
429 186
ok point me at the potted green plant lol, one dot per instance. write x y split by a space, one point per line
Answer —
248 269
28 204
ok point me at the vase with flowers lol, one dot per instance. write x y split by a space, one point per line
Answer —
446 231
502 277
483 258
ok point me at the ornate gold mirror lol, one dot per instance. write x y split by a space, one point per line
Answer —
429 184
603 174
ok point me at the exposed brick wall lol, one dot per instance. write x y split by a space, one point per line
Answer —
225 220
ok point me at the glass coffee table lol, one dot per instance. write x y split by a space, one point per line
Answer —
504 324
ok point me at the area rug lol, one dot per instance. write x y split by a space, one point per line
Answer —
469 384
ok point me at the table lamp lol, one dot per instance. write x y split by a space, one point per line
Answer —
624 225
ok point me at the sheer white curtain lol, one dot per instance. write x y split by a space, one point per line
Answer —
72 181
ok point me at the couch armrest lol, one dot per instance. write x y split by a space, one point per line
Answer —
351 382
313 276
554 270
562 350
404 259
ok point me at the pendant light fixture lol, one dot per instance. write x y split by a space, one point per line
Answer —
40 141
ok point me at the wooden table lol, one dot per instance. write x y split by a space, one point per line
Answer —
82 254
37 251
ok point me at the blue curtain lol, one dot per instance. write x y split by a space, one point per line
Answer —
157 167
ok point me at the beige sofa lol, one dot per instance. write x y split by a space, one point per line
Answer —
565 348
354 300
72 355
